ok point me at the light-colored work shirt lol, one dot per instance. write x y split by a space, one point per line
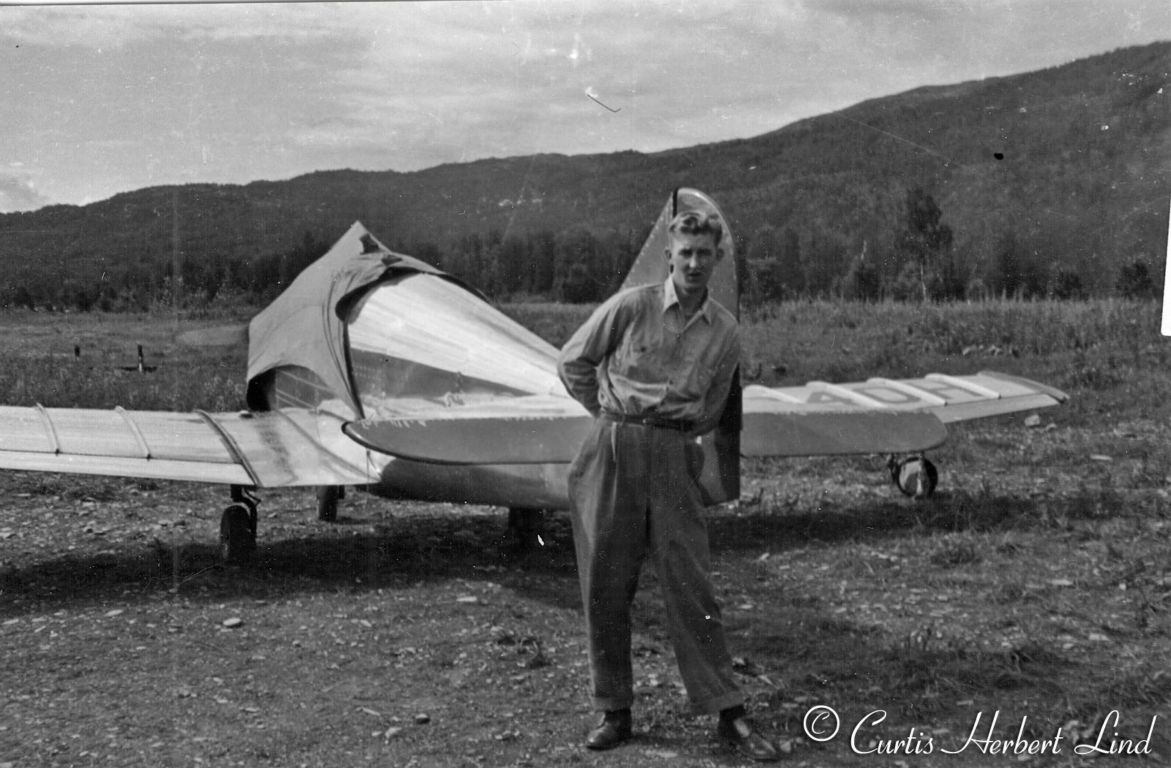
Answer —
638 356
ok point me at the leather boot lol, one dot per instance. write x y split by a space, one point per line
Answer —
612 731
741 735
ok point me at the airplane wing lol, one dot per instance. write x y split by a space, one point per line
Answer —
874 416
879 415
290 447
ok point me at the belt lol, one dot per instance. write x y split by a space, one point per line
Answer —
679 425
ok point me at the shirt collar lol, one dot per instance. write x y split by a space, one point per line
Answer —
671 298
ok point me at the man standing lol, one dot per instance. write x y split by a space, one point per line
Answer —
654 366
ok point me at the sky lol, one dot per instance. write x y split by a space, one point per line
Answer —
102 99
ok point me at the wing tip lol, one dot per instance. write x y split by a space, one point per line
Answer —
1054 392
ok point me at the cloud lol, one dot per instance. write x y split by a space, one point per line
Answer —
238 92
17 193
112 26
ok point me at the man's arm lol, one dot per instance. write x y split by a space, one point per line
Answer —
577 365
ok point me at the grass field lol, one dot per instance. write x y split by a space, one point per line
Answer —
1033 588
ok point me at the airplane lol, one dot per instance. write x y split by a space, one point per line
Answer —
376 370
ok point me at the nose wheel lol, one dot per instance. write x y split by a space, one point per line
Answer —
915 476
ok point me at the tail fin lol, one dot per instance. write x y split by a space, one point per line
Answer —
720 480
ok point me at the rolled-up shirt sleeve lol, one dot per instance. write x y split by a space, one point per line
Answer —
577 365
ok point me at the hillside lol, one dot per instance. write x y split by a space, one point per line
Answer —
1067 168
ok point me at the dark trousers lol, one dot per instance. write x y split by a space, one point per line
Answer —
634 494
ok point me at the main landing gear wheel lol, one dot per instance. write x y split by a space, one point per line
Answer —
915 476
327 499
238 527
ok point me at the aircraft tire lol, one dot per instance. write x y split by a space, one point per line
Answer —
237 535
916 477
327 498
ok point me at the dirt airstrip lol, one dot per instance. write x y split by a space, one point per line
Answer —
1020 617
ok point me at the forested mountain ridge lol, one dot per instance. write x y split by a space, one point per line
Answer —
1055 180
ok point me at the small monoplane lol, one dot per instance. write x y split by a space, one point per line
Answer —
377 370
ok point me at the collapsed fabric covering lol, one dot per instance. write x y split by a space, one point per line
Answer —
305 325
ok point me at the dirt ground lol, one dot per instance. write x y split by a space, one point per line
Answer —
412 634
1024 607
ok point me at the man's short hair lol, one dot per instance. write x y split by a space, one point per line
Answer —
697 223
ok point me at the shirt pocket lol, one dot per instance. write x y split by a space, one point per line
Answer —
641 356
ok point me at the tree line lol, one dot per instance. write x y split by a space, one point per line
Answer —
921 260
918 260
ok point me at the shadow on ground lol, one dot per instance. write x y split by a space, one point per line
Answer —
407 549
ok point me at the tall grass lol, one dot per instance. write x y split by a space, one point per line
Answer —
55 381
833 340
553 322
39 364
1028 327
1106 352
